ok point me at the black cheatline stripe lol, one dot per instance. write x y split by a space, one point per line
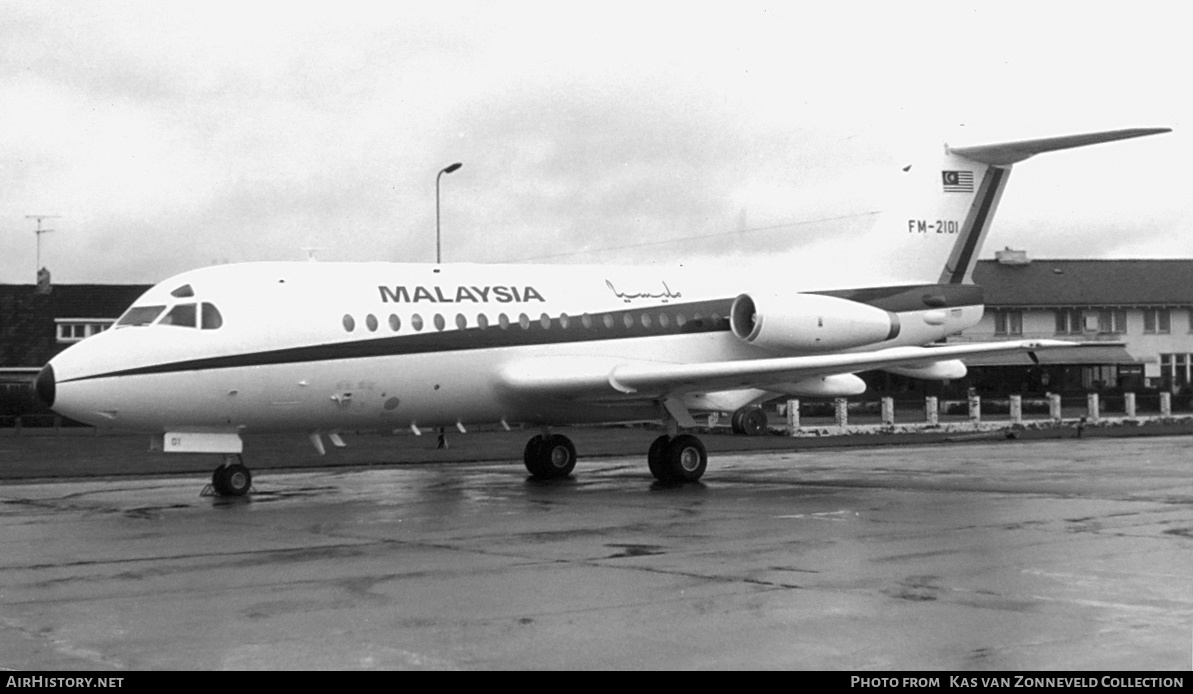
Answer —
994 177
714 317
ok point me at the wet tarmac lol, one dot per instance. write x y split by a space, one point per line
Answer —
1049 555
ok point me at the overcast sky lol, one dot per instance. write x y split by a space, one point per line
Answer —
173 135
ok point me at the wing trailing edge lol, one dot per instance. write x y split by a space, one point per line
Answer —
584 378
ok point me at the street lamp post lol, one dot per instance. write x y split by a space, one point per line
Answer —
448 170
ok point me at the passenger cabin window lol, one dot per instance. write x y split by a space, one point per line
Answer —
140 315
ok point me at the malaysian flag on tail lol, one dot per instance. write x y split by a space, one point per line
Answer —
957 181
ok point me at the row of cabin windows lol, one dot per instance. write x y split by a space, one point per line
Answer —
608 321
1076 321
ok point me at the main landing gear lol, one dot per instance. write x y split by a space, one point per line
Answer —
750 421
671 459
677 459
549 456
232 478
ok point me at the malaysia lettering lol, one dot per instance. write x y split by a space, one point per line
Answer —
439 295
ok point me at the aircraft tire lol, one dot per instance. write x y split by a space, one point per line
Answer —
654 458
548 458
238 480
735 422
753 422
232 480
217 480
530 456
685 459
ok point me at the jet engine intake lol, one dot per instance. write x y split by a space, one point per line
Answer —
809 322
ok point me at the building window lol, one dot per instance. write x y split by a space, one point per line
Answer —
1157 321
1174 370
73 330
1112 321
1068 321
1008 322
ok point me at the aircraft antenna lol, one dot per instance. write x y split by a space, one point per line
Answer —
39 231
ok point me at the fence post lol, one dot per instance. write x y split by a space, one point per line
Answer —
975 409
792 417
1016 409
841 405
1054 407
1165 404
1129 405
1093 407
931 411
888 412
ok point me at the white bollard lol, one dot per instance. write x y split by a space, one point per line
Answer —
1128 404
1054 407
975 409
841 405
1016 409
792 417
1093 407
1165 404
931 411
888 412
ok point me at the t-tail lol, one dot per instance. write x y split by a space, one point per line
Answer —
946 210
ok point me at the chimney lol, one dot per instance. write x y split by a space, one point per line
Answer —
1007 256
43 282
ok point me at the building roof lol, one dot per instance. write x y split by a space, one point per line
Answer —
1086 283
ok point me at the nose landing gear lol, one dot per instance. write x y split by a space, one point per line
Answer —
231 478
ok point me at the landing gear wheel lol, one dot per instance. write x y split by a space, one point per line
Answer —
735 422
683 459
232 480
753 422
654 458
548 458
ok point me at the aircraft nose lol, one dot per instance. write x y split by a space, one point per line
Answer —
45 385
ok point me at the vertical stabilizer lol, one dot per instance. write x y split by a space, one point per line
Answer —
947 207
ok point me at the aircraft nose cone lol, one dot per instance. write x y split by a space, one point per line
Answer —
45 385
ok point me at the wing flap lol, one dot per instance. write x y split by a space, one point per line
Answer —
583 377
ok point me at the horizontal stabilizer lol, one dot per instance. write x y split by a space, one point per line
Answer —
1006 153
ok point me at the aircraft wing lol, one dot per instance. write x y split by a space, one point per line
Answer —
597 378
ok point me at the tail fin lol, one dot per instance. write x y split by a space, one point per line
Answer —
953 205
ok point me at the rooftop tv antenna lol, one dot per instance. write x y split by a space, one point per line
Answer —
39 231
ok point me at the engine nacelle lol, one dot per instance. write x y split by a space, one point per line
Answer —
810 322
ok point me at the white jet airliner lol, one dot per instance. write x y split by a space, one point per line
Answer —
210 354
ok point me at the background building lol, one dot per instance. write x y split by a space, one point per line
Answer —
1140 309
39 321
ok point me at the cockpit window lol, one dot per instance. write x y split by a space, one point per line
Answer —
211 317
140 315
183 315
183 292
